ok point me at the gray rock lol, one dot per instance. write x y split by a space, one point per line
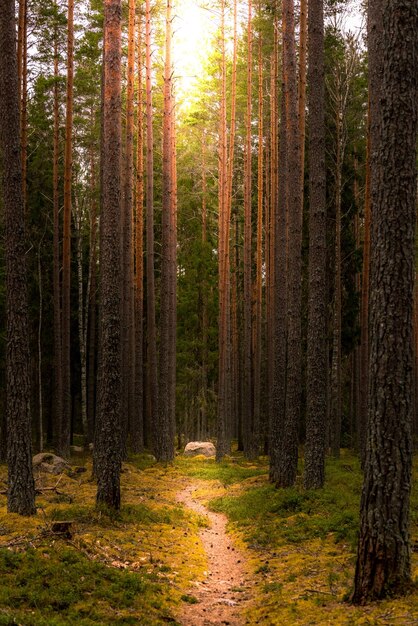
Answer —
195 448
50 463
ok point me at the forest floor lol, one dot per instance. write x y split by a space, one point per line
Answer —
192 536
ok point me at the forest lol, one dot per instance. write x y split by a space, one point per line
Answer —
208 312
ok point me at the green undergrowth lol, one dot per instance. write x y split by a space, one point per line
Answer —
233 470
55 584
273 516
302 544
132 566
138 565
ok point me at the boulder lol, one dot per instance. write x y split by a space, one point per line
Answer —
196 448
48 462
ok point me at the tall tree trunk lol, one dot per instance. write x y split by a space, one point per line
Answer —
383 557
21 486
271 225
40 430
364 310
247 401
108 448
259 261
137 427
164 450
204 301
152 377
82 319
336 401
317 350
91 382
280 296
173 264
224 376
22 60
128 329
65 426
289 445
58 397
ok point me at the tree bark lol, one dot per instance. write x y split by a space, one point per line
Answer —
317 353
108 448
152 377
289 444
128 301
247 400
383 557
21 486
58 397
65 426
224 376
137 428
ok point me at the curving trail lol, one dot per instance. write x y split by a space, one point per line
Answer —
223 594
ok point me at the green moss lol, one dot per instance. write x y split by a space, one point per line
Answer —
226 472
55 585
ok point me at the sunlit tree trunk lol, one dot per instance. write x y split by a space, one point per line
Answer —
204 301
233 332
247 401
259 261
164 450
21 486
137 427
223 442
271 221
152 378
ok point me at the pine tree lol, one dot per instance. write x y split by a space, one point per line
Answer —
21 486
317 356
383 557
64 429
108 443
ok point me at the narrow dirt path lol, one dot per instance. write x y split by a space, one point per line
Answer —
224 592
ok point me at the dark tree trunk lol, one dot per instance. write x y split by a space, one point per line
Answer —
247 399
108 449
21 486
152 377
289 443
280 280
137 427
383 558
317 357
128 303
58 400
65 426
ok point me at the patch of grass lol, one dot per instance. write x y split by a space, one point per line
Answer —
189 599
57 585
129 514
275 516
225 472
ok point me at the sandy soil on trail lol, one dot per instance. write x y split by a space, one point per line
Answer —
225 590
